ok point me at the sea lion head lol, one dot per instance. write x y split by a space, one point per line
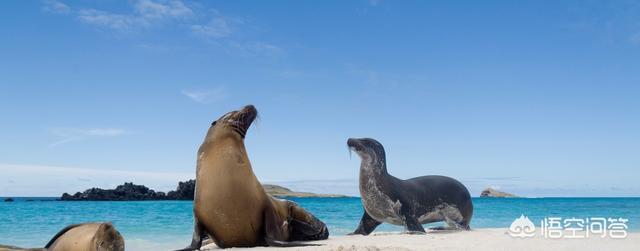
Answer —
107 238
371 153
366 148
234 123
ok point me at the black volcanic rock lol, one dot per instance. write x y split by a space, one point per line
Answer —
127 191
184 191
8 200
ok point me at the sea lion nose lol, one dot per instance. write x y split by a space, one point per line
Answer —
352 142
248 114
325 233
250 108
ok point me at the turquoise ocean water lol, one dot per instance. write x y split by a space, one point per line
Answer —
164 225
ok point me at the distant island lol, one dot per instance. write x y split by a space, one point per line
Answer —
492 193
185 190
279 191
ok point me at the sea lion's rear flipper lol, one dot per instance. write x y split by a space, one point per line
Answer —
60 233
304 226
367 225
277 230
411 224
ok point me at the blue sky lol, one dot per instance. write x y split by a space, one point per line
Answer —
539 98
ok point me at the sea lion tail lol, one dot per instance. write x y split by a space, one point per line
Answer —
60 233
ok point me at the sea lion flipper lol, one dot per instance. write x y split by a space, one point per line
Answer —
367 225
60 233
196 240
411 224
304 226
277 230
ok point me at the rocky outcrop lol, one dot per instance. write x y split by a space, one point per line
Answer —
128 191
8 200
279 191
184 191
492 193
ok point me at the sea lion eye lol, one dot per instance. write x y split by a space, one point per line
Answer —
214 123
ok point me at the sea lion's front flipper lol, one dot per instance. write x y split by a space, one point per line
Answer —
367 225
196 240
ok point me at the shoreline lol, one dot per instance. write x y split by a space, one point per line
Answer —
477 239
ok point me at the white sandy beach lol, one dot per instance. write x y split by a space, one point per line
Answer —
480 239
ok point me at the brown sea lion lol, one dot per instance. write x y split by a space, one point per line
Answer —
13 248
98 236
230 205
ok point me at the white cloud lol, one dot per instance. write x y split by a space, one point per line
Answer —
109 20
145 14
218 27
55 180
67 134
54 6
264 48
206 96
155 10
228 32
255 48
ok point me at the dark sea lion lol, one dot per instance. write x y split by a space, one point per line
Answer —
409 203
98 236
230 205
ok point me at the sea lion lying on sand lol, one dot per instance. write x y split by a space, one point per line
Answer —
81 237
99 236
